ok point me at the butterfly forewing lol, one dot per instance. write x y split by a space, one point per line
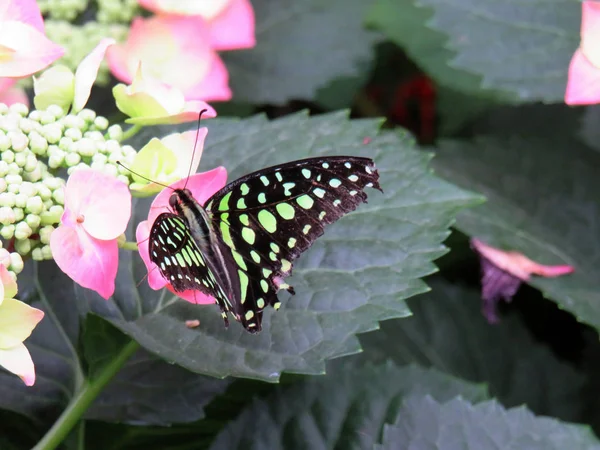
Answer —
269 217
180 260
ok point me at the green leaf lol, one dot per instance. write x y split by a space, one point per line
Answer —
542 201
424 422
487 48
343 286
346 409
302 47
448 332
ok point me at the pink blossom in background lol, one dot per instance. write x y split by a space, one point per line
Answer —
176 51
17 321
230 22
148 101
84 246
203 186
583 85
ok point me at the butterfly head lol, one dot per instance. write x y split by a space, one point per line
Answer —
178 197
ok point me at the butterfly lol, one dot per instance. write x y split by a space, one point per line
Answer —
240 246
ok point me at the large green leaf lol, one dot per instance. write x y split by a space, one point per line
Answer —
542 201
344 286
424 422
346 409
448 332
487 48
302 46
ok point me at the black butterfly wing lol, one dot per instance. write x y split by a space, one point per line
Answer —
180 260
269 217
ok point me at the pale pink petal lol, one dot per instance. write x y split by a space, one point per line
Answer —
182 145
516 263
192 296
86 73
189 114
202 185
14 95
142 233
7 83
583 85
17 360
26 11
17 321
31 50
117 59
99 202
90 262
208 9
590 31
234 27
214 86
8 285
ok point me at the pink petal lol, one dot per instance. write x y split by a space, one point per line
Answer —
142 233
195 297
583 85
516 263
14 95
207 9
26 11
90 262
234 27
590 31
7 83
182 145
18 361
214 86
100 202
8 285
32 50
17 321
86 73
202 185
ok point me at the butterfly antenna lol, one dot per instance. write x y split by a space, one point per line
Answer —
195 145
142 176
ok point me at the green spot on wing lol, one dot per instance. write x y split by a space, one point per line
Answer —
305 201
285 210
248 235
267 220
224 203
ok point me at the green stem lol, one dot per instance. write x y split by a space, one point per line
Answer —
127 245
87 393
131 131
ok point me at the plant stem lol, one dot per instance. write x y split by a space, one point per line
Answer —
87 393
127 245
131 131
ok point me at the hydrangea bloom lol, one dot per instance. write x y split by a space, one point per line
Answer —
230 22
583 85
147 101
17 321
175 50
97 209
203 186
167 160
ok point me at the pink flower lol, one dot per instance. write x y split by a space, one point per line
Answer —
17 321
24 49
583 85
230 22
203 186
84 246
149 102
13 95
175 50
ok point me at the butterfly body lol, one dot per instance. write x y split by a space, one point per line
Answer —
239 246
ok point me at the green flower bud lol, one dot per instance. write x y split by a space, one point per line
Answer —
27 188
5 258
59 196
72 121
124 179
66 144
31 163
115 132
87 114
4 141
21 159
37 143
33 221
110 170
100 158
35 174
48 204
101 123
45 233
3 108
22 230
19 108
19 214
36 254
47 252
46 118
35 115
72 159
73 133
16 263
86 147
26 125
3 185
96 136
44 191
23 247
52 132
7 231
21 200
35 205
18 141
7 216
112 146
56 111
13 188
8 156
115 156
13 178
98 165
51 216
7 199
13 169
3 168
